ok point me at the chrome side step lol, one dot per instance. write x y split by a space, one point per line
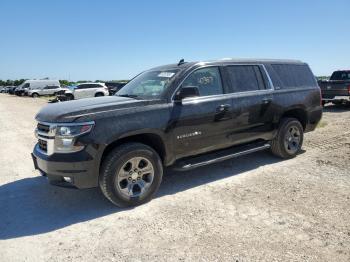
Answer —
219 156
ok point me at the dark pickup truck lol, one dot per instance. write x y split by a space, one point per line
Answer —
337 89
183 115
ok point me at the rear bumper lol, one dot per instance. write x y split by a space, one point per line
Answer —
79 168
314 117
336 98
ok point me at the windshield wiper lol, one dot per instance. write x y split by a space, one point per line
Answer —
128 95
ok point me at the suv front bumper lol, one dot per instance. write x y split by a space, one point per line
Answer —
78 170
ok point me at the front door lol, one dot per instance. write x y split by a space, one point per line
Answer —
202 123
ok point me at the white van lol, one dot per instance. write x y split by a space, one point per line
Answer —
40 87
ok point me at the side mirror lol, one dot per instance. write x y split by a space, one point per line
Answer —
186 91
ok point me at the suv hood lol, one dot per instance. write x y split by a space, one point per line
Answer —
88 109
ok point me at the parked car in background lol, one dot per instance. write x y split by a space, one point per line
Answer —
11 89
184 115
2 89
337 88
87 90
114 87
28 85
45 91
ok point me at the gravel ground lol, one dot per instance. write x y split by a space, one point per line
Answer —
251 208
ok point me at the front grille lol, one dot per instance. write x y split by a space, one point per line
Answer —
43 128
42 145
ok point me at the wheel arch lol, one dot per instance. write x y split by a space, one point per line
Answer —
298 113
99 93
153 140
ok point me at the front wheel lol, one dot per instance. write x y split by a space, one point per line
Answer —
289 138
69 97
131 174
35 95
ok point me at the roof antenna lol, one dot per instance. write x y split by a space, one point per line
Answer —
182 61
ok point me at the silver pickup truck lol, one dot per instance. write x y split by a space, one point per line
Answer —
337 88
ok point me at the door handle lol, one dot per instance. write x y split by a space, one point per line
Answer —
266 101
223 108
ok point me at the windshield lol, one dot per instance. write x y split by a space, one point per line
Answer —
340 75
148 85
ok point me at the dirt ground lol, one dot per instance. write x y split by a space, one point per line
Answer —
253 208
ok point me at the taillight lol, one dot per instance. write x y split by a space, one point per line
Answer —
319 90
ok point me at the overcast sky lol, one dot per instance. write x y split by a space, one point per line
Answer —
89 40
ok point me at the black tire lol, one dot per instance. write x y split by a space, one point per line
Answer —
280 145
116 161
337 103
99 94
69 97
35 95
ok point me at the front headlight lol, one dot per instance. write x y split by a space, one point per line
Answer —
66 136
74 130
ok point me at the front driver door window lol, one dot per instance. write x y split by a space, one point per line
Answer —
207 80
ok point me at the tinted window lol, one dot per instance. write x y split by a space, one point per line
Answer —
26 85
340 75
81 86
242 78
85 86
292 76
207 80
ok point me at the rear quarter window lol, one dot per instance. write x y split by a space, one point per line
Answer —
291 75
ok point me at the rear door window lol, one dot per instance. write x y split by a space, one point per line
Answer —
207 80
243 78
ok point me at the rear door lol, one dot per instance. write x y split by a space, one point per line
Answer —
93 88
252 102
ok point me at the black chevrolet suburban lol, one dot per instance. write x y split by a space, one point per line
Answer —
183 115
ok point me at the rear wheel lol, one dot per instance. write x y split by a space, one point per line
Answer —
131 174
289 139
35 95
337 103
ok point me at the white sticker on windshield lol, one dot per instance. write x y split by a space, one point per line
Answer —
166 74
